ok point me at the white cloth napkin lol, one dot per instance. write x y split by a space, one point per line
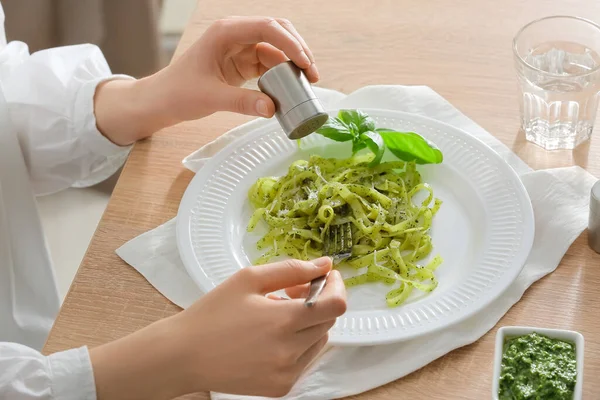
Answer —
560 201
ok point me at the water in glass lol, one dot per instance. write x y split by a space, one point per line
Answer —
560 94
558 65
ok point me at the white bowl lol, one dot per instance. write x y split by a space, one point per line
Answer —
571 336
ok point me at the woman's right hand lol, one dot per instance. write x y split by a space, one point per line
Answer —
235 339
242 342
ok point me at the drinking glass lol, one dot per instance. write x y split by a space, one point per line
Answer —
558 67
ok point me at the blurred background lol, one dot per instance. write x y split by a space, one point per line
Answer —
137 37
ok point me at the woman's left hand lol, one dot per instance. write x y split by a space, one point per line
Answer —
206 78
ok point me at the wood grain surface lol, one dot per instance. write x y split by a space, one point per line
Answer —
460 48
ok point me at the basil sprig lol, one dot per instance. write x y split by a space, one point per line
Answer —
359 127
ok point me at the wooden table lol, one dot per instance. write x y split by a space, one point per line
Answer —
460 48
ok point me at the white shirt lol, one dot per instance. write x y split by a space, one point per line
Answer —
48 142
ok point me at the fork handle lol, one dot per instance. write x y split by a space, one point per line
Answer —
316 287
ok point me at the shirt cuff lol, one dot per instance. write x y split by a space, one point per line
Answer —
71 375
85 119
96 142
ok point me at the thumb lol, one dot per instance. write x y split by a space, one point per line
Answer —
245 101
280 275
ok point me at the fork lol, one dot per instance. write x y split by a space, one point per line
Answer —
337 245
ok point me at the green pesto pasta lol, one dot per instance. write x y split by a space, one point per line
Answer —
391 234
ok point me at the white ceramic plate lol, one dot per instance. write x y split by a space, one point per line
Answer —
484 229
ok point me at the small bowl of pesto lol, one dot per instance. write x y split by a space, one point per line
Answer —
537 363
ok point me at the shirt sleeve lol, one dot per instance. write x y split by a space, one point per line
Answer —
25 374
50 97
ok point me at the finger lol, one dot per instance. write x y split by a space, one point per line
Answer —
252 30
330 304
253 60
262 69
288 26
273 296
269 55
298 292
312 73
312 352
309 336
243 101
284 274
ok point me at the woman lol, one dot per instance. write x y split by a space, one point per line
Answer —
66 121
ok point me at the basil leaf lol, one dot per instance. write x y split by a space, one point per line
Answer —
360 119
357 146
335 129
410 146
347 116
375 143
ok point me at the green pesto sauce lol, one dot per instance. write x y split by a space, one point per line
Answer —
536 367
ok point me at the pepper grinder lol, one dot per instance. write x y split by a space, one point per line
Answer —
297 108
594 221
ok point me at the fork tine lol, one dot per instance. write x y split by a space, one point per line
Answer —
335 241
348 238
338 240
337 244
